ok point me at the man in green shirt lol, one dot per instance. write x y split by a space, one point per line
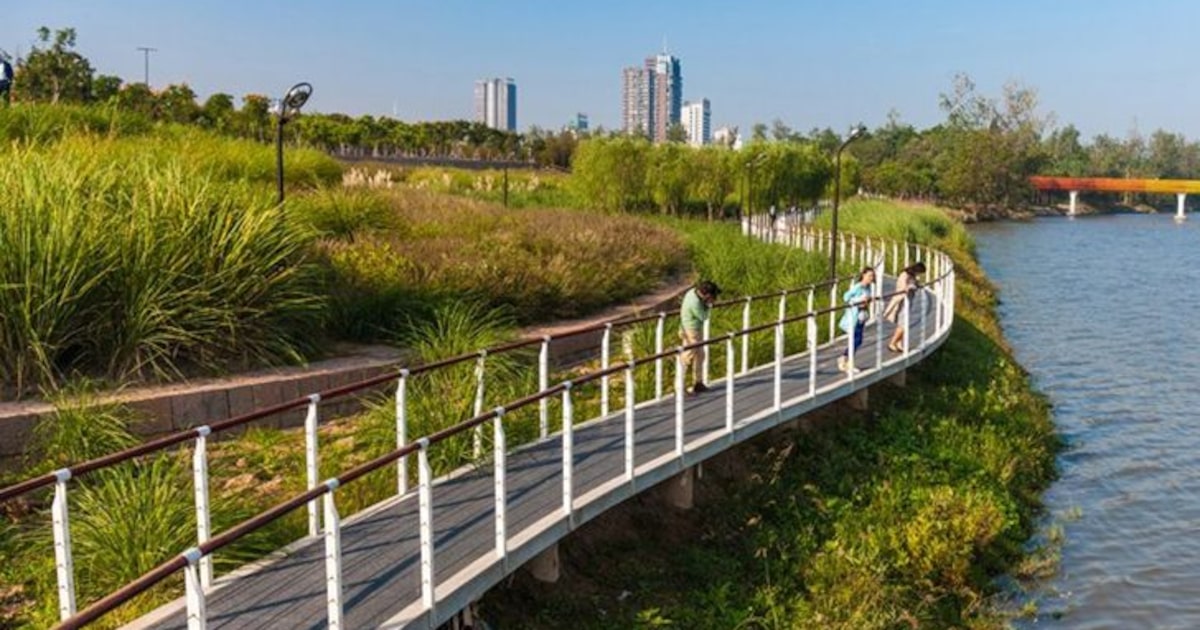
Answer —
696 309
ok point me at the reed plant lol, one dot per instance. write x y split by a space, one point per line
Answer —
122 263
37 123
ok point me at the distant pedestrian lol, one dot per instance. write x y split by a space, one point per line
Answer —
696 309
6 78
854 317
907 284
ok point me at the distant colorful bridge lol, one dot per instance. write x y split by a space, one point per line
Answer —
1073 185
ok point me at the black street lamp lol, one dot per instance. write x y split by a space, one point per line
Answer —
289 108
855 133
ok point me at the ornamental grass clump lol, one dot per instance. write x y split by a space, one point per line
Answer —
125 264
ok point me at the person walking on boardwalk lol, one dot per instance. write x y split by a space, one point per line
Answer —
696 309
907 284
854 317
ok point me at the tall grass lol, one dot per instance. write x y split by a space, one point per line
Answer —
536 264
124 263
40 123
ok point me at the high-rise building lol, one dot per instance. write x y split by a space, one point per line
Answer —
667 95
652 96
636 115
696 119
578 124
496 103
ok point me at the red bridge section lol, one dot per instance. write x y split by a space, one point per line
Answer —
1115 184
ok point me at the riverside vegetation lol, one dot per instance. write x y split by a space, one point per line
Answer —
870 525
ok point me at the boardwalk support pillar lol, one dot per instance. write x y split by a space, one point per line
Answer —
1074 197
899 379
545 566
1179 214
680 489
858 400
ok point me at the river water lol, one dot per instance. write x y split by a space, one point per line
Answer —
1105 313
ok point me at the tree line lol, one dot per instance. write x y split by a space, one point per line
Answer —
979 157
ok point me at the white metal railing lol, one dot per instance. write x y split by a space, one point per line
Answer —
196 562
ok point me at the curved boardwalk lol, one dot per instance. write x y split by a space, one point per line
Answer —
380 547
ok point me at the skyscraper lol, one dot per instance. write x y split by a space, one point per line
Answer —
697 122
496 103
652 96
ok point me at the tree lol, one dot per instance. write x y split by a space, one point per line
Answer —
105 88
53 71
139 98
177 103
255 116
217 112
668 175
712 177
611 172
677 133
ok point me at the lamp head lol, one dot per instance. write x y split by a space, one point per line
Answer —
295 99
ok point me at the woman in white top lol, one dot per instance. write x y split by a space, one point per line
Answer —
906 286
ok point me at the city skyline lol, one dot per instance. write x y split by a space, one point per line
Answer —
811 66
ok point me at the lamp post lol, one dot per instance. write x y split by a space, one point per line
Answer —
289 107
856 132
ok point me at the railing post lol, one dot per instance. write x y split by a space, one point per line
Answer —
604 363
812 354
477 437
630 403
924 316
730 373
746 337
543 385
64 567
679 393
498 458
705 332
658 349
197 611
851 352
333 560
905 322
402 431
200 489
879 333
833 313
425 505
778 399
568 454
312 464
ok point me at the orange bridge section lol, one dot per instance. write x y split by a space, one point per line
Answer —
1116 184
1074 185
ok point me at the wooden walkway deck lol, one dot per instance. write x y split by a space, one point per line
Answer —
380 546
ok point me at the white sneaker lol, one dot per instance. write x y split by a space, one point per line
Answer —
841 364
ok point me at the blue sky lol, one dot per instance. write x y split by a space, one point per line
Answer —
1105 66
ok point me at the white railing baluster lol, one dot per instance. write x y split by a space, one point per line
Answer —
906 323
477 437
543 385
924 316
878 333
568 454
200 491
605 352
425 505
311 460
729 385
63 566
658 350
833 312
746 337
333 560
705 332
402 431
193 583
679 394
778 397
498 458
812 354
630 404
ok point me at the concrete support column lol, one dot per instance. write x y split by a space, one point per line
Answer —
858 401
545 566
1074 197
1179 214
680 490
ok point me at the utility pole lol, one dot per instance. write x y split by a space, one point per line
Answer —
146 54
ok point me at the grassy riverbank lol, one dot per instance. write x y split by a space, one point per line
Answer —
898 518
